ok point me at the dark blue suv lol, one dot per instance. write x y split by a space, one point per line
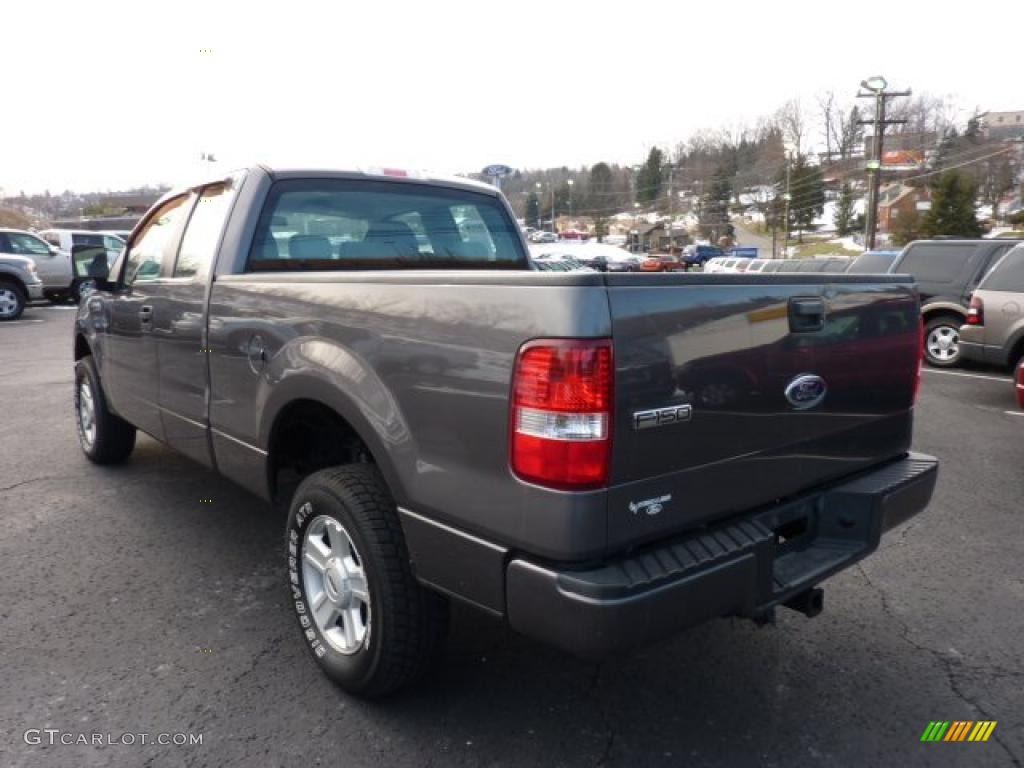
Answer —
698 254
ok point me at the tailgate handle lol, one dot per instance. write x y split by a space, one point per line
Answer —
806 315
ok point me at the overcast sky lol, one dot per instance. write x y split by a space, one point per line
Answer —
104 95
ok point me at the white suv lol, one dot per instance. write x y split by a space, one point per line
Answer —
62 275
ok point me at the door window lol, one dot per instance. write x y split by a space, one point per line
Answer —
146 257
199 244
27 245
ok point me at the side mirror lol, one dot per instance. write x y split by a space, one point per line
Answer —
54 250
90 261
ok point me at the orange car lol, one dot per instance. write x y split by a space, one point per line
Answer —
661 262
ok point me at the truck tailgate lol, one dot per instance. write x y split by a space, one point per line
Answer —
735 391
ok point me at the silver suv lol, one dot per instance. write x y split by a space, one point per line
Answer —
994 332
19 279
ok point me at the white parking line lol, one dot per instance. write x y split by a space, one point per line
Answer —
968 375
18 322
1014 413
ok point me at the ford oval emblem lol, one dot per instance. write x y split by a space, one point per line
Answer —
806 391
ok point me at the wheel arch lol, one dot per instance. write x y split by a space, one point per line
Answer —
313 428
931 311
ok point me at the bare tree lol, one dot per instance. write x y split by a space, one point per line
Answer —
829 114
790 118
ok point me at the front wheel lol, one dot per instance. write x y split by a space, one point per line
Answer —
12 301
369 624
942 341
105 437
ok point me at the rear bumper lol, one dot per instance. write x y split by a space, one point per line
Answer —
983 353
743 568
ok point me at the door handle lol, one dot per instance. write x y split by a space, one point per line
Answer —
146 313
806 315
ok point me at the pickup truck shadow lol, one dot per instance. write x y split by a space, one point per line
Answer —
725 693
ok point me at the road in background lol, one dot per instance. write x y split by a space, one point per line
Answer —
129 605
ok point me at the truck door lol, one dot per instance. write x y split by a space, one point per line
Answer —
130 363
179 324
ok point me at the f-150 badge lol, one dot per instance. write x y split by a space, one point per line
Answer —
662 417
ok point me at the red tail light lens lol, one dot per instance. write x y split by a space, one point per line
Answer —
561 413
976 313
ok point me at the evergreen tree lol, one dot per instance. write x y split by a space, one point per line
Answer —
808 194
907 228
648 179
953 208
715 208
532 217
844 211
601 192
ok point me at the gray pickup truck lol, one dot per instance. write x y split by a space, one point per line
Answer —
597 459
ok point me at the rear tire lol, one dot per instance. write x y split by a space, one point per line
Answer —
942 341
105 437
12 300
371 627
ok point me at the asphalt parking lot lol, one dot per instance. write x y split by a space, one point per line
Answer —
129 605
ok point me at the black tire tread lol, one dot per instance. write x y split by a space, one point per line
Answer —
416 623
115 437
18 292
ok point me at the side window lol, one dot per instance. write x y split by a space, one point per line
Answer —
27 245
199 245
147 254
113 243
1008 274
78 239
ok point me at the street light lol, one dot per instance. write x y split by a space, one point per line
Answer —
875 84
540 220
570 199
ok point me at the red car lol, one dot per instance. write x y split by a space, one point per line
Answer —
661 262
1020 384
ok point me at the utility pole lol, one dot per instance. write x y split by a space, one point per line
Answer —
876 89
785 221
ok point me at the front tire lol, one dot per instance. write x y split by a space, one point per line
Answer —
369 624
942 341
105 437
12 300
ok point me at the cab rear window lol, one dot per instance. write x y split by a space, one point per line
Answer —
330 224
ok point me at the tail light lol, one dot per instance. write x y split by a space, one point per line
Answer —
561 413
976 313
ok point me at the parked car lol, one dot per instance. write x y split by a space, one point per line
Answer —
561 262
994 330
872 262
448 424
543 237
19 277
947 272
698 255
66 239
661 262
597 256
1019 384
51 265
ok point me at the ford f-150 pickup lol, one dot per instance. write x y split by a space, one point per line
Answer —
597 459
